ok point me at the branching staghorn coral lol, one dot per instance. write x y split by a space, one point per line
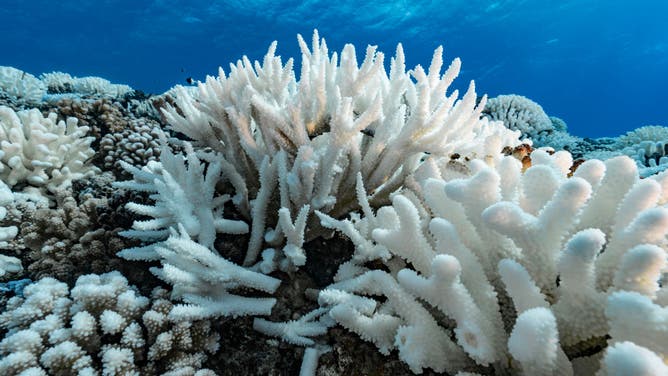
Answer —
531 271
471 265
100 323
291 147
443 275
339 119
184 191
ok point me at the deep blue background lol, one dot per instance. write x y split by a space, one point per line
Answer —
602 66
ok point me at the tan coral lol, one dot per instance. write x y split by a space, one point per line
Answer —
137 145
72 239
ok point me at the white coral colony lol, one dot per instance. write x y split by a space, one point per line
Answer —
304 142
42 151
563 262
532 271
339 119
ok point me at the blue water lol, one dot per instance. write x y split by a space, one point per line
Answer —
602 66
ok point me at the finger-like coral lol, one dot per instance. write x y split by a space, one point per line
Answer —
464 261
292 147
185 195
558 259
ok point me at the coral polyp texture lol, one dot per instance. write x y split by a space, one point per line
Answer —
101 322
362 205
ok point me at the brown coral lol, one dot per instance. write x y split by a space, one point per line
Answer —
137 145
77 236
102 116
66 241
522 153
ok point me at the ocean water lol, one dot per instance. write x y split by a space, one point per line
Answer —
602 66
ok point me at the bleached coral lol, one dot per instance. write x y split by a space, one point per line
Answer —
651 156
339 119
21 86
204 281
41 151
185 195
301 142
648 146
473 266
8 264
99 86
627 358
519 113
6 197
561 259
59 82
102 322
184 191
647 133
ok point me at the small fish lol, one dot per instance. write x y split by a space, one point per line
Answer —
190 80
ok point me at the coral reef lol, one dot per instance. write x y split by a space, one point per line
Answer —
101 116
69 240
339 119
349 208
646 145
